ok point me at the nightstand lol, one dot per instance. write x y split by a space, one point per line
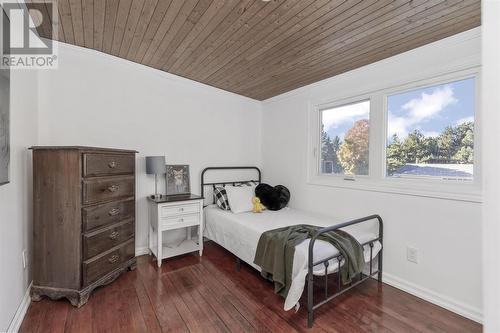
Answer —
175 212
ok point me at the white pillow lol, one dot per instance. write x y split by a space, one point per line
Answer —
240 198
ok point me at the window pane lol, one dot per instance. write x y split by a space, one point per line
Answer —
344 139
431 132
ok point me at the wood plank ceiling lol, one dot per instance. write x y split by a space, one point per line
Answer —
257 48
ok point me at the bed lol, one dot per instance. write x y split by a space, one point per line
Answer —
240 233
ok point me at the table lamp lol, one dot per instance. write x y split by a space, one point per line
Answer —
155 165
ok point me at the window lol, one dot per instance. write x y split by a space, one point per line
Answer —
345 139
418 138
430 132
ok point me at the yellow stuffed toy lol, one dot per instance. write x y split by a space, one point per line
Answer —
257 206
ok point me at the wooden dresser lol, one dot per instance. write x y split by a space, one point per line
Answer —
83 220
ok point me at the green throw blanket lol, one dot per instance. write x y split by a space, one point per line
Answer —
276 249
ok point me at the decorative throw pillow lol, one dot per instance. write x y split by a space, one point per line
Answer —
274 198
240 198
221 198
220 195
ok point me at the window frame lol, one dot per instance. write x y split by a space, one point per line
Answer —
377 178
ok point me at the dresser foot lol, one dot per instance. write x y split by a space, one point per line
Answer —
133 266
35 297
79 300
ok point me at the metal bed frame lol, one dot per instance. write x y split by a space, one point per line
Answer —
311 263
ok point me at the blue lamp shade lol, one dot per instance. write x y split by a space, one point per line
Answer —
155 165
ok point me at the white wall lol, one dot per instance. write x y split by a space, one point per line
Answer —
491 135
95 99
15 197
446 232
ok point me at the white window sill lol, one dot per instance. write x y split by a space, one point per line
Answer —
438 189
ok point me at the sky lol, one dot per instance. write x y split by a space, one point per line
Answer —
429 109
339 120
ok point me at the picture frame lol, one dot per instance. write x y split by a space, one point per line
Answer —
178 180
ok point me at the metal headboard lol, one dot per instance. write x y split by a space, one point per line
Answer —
233 182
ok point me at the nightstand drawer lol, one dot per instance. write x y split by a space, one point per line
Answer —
180 221
176 210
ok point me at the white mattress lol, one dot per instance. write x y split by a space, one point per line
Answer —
240 233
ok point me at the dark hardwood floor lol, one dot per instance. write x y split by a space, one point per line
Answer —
192 294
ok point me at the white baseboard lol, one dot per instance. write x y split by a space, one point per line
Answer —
16 322
443 301
140 251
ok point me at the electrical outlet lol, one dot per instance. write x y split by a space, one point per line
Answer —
412 254
25 259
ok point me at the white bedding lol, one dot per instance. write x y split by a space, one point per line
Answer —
240 233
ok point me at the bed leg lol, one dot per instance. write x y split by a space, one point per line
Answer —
310 317
380 266
238 264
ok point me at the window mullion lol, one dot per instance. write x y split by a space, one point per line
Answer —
377 137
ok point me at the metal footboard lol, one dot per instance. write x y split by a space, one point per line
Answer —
311 264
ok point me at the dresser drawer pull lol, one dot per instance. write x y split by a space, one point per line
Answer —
181 220
114 235
113 188
114 212
181 209
112 164
114 258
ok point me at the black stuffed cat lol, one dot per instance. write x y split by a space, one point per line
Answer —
274 198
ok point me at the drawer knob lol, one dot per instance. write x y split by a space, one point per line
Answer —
114 235
181 220
181 209
113 188
112 164
114 212
114 258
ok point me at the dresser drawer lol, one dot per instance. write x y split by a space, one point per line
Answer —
168 211
104 263
180 221
104 239
101 215
107 164
101 190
